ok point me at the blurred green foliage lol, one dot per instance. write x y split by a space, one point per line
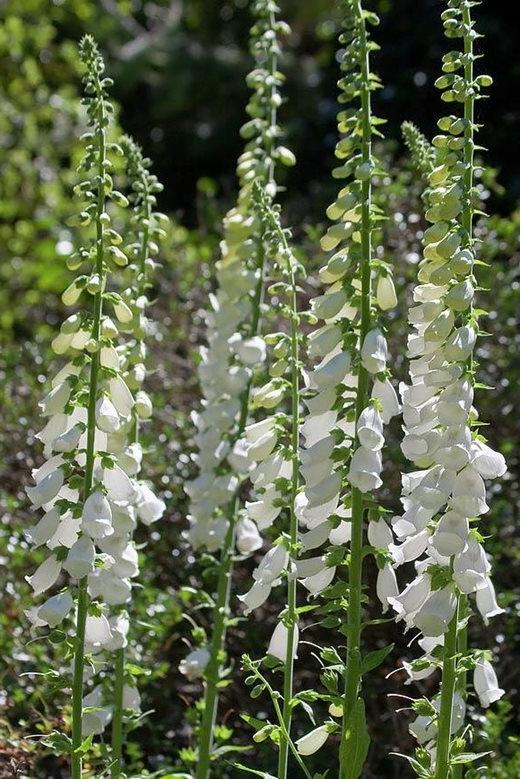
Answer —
178 68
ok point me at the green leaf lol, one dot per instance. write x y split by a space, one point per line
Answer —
468 757
354 747
375 658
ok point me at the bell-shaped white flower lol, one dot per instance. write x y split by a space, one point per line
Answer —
80 558
107 418
150 508
131 698
143 405
121 396
365 469
387 396
278 643
46 489
385 293
255 597
96 517
436 612
56 400
97 630
379 534
69 440
370 429
248 539
488 463
374 351
96 717
487 601
55 609
272 565
311 742
45 529
485 683
194 664
412 597
320 580
451 534
386 585
45 575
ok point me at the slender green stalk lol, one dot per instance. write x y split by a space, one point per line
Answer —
83 599
292 615
449 680
119 663
221 611
117 719
467 223
355 575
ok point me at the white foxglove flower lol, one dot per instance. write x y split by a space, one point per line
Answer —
487 602
47 489
319 581
488 463
150 508
278 643
248 538
97 716
370 429
69 440
131 698
272 565
96 517
45 575
311 742
143 405
451 534
255 597
45 529
56 400
436 612
379 534
121 396
194 664
485 683
365 469
386 586
55 609
412 597
97 630
107 418
374 352
80 558
385 293
385 393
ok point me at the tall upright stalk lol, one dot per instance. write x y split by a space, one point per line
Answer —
83 598
292 615
355 568
264 44
457 639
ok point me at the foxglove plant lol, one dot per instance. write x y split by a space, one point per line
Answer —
272 446
444 499
233 352
147 232
352 397
82 486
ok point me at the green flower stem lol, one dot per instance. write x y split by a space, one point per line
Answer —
83 599
119 661
355 575
467 223
281 721
292 614
221 608
449 680
117 719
